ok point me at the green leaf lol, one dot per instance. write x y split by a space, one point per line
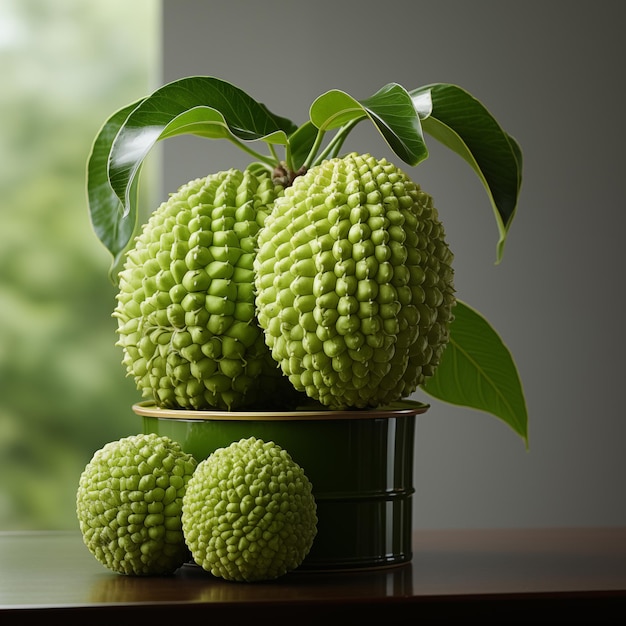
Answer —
199 105
105 209
392 111
464 125
211 124
478 371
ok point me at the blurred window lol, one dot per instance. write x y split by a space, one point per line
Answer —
65 67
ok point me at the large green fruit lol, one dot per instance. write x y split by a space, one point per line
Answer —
185 307
354 283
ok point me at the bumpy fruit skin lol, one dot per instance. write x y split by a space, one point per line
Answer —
185 307
355 283
129 505
249 513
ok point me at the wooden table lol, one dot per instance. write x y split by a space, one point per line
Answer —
492 576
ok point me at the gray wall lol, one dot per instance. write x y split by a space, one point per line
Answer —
552 73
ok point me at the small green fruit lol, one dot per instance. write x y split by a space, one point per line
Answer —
249 513
129 504
186 312
355 283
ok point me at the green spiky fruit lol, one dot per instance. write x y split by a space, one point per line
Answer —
185 307
249 513
354 283
129 505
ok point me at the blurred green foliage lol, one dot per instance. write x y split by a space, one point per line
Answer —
65 67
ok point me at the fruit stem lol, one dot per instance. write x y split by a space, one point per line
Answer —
284 175
334 145
288 158
311 158
276 158
263 158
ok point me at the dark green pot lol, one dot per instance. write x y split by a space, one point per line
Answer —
359 462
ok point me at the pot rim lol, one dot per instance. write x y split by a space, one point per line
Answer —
317 412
